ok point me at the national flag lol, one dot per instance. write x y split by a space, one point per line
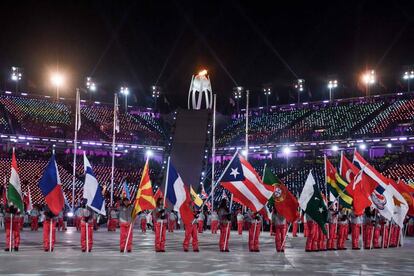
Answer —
92 191
179 195
401 205
51 187
361 189
77 112
408 193
195 198
347 170
244 183
14 191
144 199
312 203
158 194
284 201
265 213
336 185
371 171
125 191
204 195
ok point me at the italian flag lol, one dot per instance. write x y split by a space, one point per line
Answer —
14 190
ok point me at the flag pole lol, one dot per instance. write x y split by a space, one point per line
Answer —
50 236
213 153
129 234
373 230
326 190
247 131
228 224
113 148
87 239
165 192
389 234
284 241
75 143
11 232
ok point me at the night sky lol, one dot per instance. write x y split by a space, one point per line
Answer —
247 43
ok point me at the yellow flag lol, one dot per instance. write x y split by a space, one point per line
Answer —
194 196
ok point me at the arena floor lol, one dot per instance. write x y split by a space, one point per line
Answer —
106 259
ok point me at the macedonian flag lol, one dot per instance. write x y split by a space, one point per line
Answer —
145 198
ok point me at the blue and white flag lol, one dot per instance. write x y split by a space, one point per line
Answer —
92 191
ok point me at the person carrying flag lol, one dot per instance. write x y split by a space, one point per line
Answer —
200 221
87 215
12 221
214 222
369 224
49 230
125 225
160 225
113 220
191 231
342 228
377 231
142 218
333 222
254 232
60 224
225 225
240 222
172 219
356 223
280 231
34 219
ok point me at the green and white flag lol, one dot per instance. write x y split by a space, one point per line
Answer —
14 190
312 203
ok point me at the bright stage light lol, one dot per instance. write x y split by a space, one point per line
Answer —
202 72
149 153
286 150
57 79
335 148
389 145
362 146
369 77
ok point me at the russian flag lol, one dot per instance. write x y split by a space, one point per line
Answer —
92 191
51 187
179 195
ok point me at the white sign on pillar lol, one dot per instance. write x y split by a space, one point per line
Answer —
200 94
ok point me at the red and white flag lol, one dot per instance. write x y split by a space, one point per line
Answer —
244 183
347 170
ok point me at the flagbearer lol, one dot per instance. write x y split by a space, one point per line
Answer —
377 231
49 235
60 224
171 221
240 222
113 220
34 219
225 225
356 223
125 225
214 222
86 214
369 223
160 225
200 220
254 233
142 218
280 231
333 221
191 230
12 220
342 228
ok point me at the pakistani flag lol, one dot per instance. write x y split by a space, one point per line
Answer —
14 190
312 203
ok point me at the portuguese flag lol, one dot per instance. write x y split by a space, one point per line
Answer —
283 200
14 190
312 203
336 185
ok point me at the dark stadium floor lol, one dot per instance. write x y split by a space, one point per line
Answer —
106 259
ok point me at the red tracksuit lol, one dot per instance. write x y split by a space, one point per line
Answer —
377 234
47 244
34 223
295 229
384 233
160 225
333 219
214 222
15 231
356 230
280 236
395 233
144 224
254 233
200 225
191 232
322 238
86 225
368 235
125 226
171 223
239 225
312 241
113 220
225 227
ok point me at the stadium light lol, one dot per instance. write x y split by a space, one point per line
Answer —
368 78
90 84
125 91
332 84
286 150
267 92
156 92
408 75
389 145
16 75
202 72
300 87
57 80
362 146
334 148
149 153
237 93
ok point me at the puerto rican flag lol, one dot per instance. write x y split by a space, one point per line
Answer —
244 183
51 187
179 195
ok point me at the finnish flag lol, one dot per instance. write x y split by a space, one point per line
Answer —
92 191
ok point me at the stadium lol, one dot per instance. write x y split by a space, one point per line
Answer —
314 175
